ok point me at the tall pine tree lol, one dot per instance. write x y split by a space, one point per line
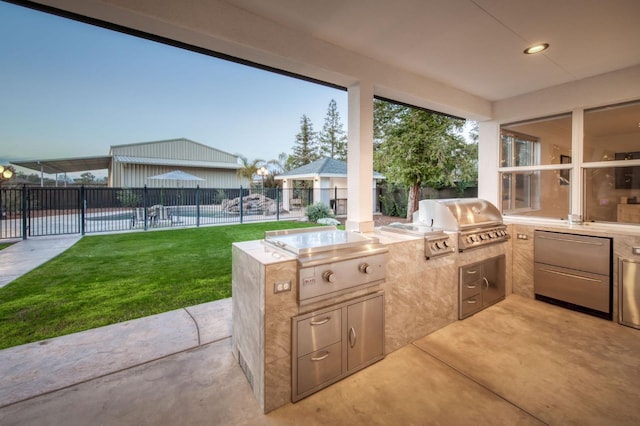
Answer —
305 149
332 140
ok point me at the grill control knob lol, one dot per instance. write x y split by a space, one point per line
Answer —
365 268
329 276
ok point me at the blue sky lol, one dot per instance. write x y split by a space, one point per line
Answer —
69 89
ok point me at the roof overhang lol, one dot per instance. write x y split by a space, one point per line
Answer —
175 163
66 165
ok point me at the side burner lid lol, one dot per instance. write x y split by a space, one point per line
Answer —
310 241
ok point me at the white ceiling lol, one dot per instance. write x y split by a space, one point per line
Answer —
473 45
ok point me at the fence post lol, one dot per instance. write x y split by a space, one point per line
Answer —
277 203
83 207
197 205
144 206
241 203
25 203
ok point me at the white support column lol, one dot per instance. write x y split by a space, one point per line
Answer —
286 194
360 158
488 162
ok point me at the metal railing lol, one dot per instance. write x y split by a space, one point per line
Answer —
36 211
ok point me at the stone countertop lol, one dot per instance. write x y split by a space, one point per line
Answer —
263 253
586 228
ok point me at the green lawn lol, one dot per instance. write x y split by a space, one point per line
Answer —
5 245
106 279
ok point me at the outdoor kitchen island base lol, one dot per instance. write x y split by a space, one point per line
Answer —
420 297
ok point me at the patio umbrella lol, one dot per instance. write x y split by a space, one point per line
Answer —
177 175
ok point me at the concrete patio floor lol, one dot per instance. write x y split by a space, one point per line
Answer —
518 362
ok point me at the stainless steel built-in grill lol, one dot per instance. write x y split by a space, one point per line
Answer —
477 221
330 261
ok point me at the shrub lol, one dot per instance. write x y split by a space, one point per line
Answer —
318 211
128 198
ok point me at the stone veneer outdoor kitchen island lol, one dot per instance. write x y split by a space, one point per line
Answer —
420 296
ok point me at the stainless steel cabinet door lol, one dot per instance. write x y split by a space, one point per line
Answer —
630 292
493 277
365 335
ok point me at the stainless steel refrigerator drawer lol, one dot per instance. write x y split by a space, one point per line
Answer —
580 288
319 367
553 248
319 331
630 292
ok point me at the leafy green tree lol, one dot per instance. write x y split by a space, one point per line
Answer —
85 178
332 140
248 169
305 149
419 148
467 172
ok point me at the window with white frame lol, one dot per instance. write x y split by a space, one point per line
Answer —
535 158
611 168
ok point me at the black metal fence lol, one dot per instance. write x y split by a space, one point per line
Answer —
37 211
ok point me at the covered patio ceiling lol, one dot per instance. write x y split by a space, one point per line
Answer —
454 56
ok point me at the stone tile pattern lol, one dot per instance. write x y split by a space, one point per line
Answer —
561 366
421 296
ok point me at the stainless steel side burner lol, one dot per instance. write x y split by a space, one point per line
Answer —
331 261
436 241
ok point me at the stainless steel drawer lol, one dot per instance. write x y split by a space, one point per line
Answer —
470 289
319 367
470 273
319 331
579 252
580 288
470 305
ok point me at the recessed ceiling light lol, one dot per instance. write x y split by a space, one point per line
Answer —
536 48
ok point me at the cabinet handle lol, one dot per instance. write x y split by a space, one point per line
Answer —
352 337
472 301
320 358
486 281
320 322
564 274
569 240
471 286
472 271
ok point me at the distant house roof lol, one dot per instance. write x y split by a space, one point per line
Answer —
117 149
324 167
82 164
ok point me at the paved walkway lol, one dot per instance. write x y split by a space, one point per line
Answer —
42 367
27 255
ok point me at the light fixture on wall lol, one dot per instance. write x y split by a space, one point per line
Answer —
536 48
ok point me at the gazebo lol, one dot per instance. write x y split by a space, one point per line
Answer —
329 178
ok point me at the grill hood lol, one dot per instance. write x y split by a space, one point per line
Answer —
458 214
